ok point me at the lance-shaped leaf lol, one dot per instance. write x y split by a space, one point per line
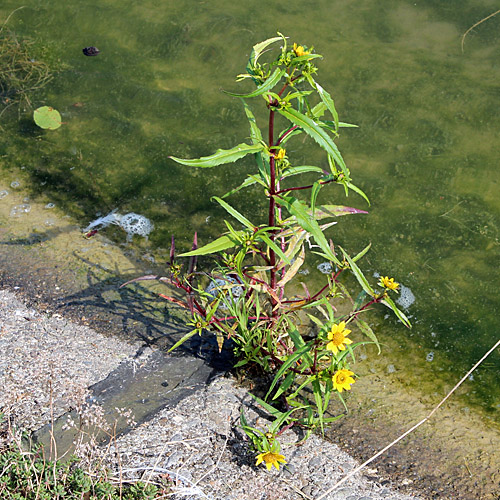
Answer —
290 361
357 190
329 123
358 274
183 339
314 195
265 238
270 82
311 128
302 214
360 254
366 329
222 243
324 211
249 181
301 170
259 48
256 136
327 99
234 213
391 305
294 268
285 385
221 156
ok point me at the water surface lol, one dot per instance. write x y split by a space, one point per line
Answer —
425 152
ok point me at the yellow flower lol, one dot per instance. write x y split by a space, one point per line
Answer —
338 337
389 283
271 459
300 51
280 154
342 380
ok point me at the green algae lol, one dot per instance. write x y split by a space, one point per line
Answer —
425 152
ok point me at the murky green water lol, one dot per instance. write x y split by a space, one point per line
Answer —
426 150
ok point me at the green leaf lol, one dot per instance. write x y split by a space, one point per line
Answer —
275 247
319 110
47 117
366 329
306 57
273 411
314 194
285 385
270 82
301 170
293 269
183 339
359 275
357 190
290 361
249 181
360 254
222 243
288 136
256 136
301 212
319 401
255 133
327 99
391 305
259 48
221 156
324 211
315 131
234 213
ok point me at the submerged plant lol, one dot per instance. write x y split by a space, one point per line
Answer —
306 339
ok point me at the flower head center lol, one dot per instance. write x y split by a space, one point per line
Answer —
338 338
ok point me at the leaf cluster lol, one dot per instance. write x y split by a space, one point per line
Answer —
27 475
251 295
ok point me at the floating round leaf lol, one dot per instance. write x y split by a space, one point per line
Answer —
47 117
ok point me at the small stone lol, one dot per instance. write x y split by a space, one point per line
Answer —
314 462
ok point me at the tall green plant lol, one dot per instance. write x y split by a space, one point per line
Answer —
302 339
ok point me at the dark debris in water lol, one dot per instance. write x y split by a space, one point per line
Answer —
91 51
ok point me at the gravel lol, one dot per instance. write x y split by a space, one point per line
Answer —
47 363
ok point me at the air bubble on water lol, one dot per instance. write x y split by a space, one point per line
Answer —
3 193
305 272
14 184
430 357
19 210
325 267
50 205
26 199
406 297
391 369
131 223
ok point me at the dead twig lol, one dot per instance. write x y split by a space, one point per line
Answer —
477 24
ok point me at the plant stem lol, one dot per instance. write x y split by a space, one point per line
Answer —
272 209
